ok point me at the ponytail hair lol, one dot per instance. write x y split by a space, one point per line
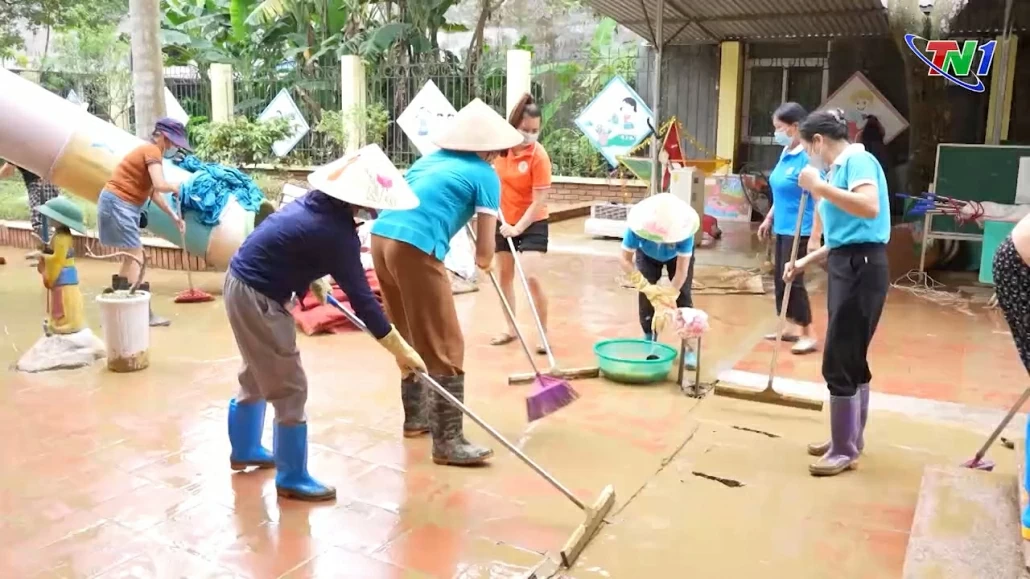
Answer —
526 107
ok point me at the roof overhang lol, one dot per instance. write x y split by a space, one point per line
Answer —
705 21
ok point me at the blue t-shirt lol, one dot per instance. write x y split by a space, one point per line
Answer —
853 168
787 194
657 251
312 237
451 186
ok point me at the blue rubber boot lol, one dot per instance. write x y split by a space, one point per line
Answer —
246 421
292 480
1026 450
1026 523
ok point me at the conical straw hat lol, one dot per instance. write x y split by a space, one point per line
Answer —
663 218
478 128
365 178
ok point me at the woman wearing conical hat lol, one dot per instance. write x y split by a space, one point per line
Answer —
65 313
660 237
408 248
289 251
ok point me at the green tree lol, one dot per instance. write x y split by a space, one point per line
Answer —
53 16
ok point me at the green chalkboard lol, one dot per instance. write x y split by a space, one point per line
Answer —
978 172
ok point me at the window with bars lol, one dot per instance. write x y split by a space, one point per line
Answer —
769 82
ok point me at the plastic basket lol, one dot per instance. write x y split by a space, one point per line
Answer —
626 360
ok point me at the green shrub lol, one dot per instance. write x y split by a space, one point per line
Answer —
373 120
240 141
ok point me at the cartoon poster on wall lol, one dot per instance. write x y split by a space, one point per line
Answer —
428 112
860 99
725 199
616 121
284 106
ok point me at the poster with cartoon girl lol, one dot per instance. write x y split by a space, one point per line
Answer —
616 121
860 99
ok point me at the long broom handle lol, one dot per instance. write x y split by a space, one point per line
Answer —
786 291
997 431
427 379
182 237
532 304
507 309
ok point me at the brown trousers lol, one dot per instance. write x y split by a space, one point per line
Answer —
418 300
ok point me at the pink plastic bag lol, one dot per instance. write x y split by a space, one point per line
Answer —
689 323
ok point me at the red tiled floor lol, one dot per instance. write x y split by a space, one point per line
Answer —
921 350
127 475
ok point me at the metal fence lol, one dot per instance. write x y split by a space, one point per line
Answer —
392 87
313 91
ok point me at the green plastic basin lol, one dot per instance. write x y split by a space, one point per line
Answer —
626 360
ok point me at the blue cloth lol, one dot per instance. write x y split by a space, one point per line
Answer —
451 186
852 168
207 191
657 251
787 194
118 222
308 239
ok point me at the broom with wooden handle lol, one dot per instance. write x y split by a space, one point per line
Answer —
595 513
191 295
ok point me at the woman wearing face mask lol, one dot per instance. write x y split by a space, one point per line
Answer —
781 221
854 211
525 173
137 180
408 248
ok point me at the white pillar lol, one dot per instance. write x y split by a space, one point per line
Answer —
352 99
222 97
520 77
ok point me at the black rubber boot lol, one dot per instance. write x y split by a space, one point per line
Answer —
449 444
117 283
156 321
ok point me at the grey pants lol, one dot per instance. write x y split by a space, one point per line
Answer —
266 336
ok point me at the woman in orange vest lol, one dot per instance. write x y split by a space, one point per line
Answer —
525 173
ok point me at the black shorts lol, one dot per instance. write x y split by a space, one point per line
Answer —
534 238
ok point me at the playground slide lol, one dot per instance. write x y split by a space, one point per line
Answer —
76 151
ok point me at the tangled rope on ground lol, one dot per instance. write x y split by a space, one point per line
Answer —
921 285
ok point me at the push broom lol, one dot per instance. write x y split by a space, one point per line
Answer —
555 371
191 295
769 395
978 462
552 393
595 513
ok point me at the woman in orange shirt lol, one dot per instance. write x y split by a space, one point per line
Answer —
525 173
138 179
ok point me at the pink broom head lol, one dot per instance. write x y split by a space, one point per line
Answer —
975 463
552 394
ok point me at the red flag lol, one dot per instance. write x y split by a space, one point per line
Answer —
671 146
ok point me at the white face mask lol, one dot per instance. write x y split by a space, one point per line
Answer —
530 137
171 152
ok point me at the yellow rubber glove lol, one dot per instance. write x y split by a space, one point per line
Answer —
661 296
320 289
408 359
636 279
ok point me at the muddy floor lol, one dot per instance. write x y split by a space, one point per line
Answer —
127 475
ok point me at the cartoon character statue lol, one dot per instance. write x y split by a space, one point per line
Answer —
65 312
861 105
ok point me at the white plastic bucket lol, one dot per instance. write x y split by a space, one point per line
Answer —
125 319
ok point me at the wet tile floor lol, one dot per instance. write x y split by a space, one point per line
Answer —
126 475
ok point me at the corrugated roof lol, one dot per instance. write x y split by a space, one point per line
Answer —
694 21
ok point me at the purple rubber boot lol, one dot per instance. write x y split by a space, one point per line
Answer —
845 415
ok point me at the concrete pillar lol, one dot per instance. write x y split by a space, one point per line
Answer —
520 77
731 68
1002 69
352 99
223 101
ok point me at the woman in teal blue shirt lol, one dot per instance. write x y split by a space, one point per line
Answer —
408 248
782 221
854 211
